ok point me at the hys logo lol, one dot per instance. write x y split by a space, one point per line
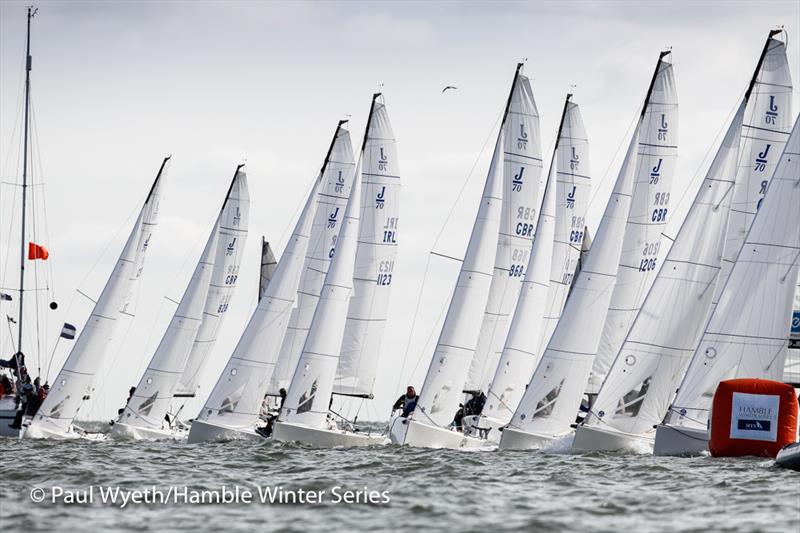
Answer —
516 183
771 115
231 247
761 160
383 162
571 198
663 129
380 199
339 187
332 218
522 140
574 160
656 172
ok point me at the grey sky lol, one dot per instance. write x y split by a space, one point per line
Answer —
118 85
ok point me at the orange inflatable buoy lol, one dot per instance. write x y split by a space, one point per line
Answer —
752 417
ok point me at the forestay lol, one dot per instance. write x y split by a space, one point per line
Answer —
746 335
640 259
238 394
653 356
375 258
75 381
522 171
154 392
331 203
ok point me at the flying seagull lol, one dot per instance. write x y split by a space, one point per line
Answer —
448 87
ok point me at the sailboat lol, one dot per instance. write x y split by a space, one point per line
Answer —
232 409
554 257
430 424
553 397
764 134
74 383
147 413
341 351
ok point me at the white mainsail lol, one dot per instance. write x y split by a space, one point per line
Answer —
227 262
330 208
640 259
562 198
653 356
564 367
311 387
268 266
746 335
574 189
75 382
151 401
522 172
375 258
236 399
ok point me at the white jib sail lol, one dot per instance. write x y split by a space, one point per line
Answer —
310 391
746 335
443 385
766 127
154 392
331 203
75 381
268 266
518 358
550 401
228 260
239 392
574 189
653 356
522 173
641 258
375 258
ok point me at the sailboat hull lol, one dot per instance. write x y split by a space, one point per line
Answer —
595 439
483 427
8 412
408 432
128 432
205 432
323 438
516 439
35 431
679 440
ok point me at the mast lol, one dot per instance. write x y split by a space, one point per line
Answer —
31 14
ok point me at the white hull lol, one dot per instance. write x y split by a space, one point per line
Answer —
323 438
408 432
7 414
516 439
127 432
596 439
483 427
679 440
205 432
37 432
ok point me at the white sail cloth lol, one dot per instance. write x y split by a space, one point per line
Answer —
237 397
331 203
375 258
154 392
746 334
522 173
75 382
641 257
653 356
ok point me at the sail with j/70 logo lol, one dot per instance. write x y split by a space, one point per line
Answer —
147 407
653 356
746 335
331 203
235 401
553 396
75 382
522 171
641 251
375 258
566 190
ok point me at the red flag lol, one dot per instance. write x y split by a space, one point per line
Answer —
37 251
